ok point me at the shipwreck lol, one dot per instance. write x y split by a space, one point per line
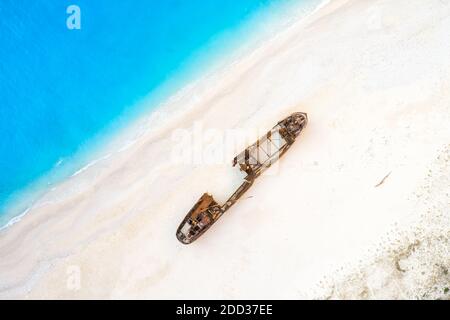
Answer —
253 161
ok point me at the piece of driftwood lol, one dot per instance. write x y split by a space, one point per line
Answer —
253 161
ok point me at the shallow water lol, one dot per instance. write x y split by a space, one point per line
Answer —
61 89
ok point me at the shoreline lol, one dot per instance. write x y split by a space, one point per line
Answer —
116 229
128 129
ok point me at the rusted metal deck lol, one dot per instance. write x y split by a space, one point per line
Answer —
253 161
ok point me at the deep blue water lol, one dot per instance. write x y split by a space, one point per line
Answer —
61 88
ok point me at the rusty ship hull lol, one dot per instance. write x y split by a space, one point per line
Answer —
253 161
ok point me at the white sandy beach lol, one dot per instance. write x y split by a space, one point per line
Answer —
374 78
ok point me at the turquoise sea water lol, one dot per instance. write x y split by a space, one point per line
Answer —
60 89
